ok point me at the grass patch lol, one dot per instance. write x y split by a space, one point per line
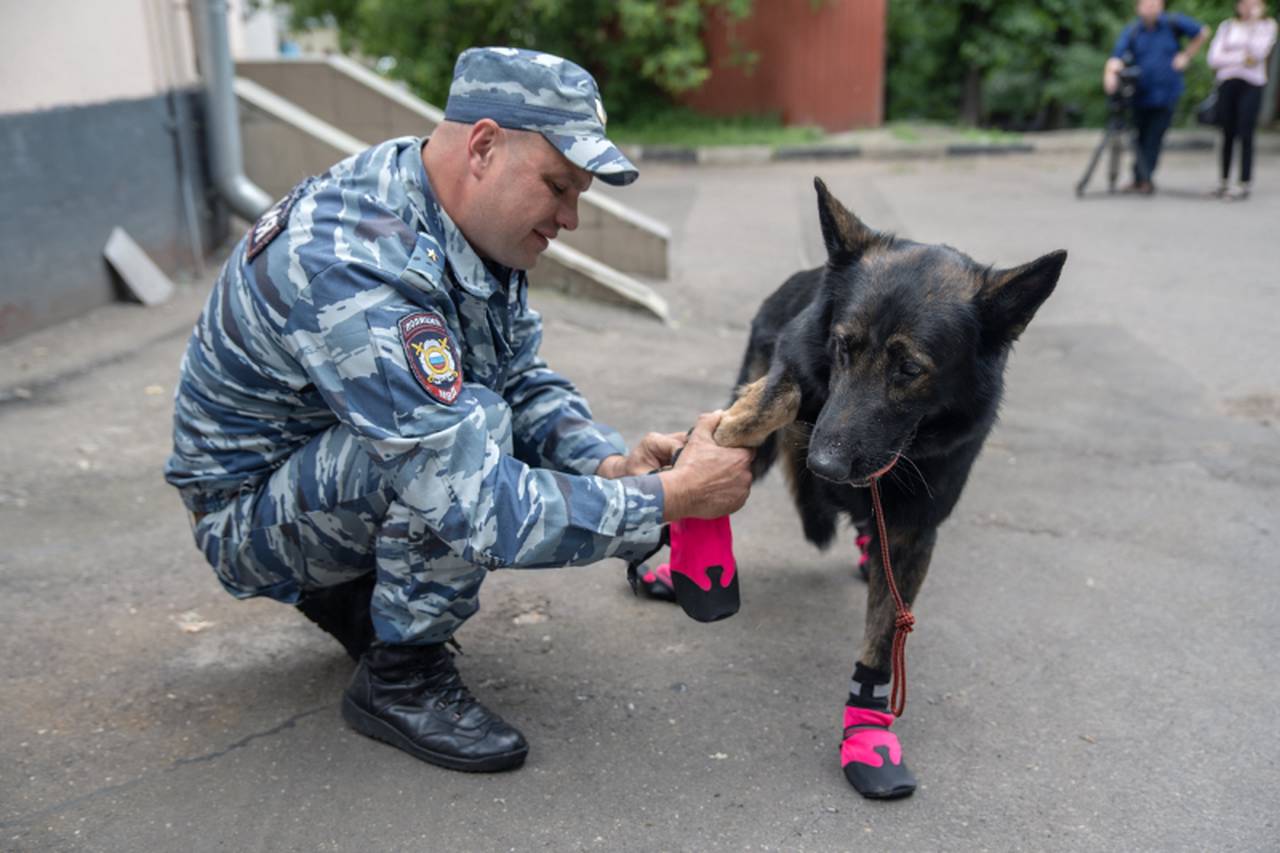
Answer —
990 136
685 127
904 133
912 132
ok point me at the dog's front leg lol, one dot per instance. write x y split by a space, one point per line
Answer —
910 551
871 754
760 409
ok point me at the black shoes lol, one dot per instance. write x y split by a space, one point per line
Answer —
413 698
343 611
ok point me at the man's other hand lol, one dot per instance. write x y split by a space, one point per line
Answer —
656 450
708 480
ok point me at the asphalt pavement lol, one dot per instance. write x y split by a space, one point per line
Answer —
1094 665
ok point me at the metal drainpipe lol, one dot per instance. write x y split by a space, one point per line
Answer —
222 120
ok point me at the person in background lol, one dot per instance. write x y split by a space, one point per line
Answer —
1239 52
1153 42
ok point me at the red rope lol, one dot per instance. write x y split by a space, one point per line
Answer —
902 623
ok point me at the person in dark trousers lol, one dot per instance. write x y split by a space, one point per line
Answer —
1153 42
1239 53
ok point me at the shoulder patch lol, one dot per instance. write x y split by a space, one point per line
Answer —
271 223
432 354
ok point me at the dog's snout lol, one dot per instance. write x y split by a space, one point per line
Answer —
829 463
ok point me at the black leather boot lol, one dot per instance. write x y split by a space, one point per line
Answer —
413 698
343 611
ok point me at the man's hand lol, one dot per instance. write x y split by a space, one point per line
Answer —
1111 75
708 480
655 450
1181 61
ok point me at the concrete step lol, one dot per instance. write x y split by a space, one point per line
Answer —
362 104
284 143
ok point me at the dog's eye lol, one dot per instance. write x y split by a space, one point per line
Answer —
910 369
839 352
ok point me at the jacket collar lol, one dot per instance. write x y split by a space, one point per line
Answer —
468 270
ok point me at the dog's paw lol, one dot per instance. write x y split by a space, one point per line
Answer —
734 430
755 415
871 756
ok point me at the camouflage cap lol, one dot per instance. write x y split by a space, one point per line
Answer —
528 90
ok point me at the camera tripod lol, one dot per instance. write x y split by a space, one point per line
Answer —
1113 141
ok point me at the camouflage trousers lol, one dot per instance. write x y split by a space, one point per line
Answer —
327 516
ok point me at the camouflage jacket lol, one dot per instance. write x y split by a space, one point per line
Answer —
356 300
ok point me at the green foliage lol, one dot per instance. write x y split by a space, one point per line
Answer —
642 52
1028 63
682 126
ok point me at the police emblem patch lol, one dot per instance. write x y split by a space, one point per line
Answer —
432 355
271 223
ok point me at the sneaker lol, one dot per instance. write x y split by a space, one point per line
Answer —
413 698
1240 193
342 611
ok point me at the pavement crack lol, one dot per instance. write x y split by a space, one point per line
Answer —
56 808
1018 528
213 756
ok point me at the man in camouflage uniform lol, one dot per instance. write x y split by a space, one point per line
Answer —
364 428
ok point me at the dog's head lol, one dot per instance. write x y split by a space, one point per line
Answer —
916 341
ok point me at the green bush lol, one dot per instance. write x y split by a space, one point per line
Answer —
642 52
1024 64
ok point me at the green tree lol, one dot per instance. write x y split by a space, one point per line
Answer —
1015 63
642 52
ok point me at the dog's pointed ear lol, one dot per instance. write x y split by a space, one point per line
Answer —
1008 299
844 233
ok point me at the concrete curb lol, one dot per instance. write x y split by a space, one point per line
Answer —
1077 142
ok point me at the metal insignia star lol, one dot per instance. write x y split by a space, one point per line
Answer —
432 256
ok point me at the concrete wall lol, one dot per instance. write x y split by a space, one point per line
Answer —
58 53
100 126
283 143
346 95
68 176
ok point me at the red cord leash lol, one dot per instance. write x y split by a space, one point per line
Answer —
903 622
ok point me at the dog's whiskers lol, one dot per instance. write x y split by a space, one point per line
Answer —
919 474
797 432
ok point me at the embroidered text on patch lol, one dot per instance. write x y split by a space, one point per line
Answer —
271 223
432 355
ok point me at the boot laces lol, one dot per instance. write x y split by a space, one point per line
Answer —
441 676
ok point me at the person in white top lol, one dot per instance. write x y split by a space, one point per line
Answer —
1239 53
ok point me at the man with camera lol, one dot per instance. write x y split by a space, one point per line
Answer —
1153 44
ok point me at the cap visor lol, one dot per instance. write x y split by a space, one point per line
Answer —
597 155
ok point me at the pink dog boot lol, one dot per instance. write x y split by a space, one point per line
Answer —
703 571
651 583
863 543
872 757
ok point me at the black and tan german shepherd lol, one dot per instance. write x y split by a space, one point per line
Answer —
887 362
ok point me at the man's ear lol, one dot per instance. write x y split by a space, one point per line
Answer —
482 146
1008 299
845 234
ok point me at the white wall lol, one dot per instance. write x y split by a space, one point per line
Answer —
253 34
56 53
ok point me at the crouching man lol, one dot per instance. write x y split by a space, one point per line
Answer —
364 427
